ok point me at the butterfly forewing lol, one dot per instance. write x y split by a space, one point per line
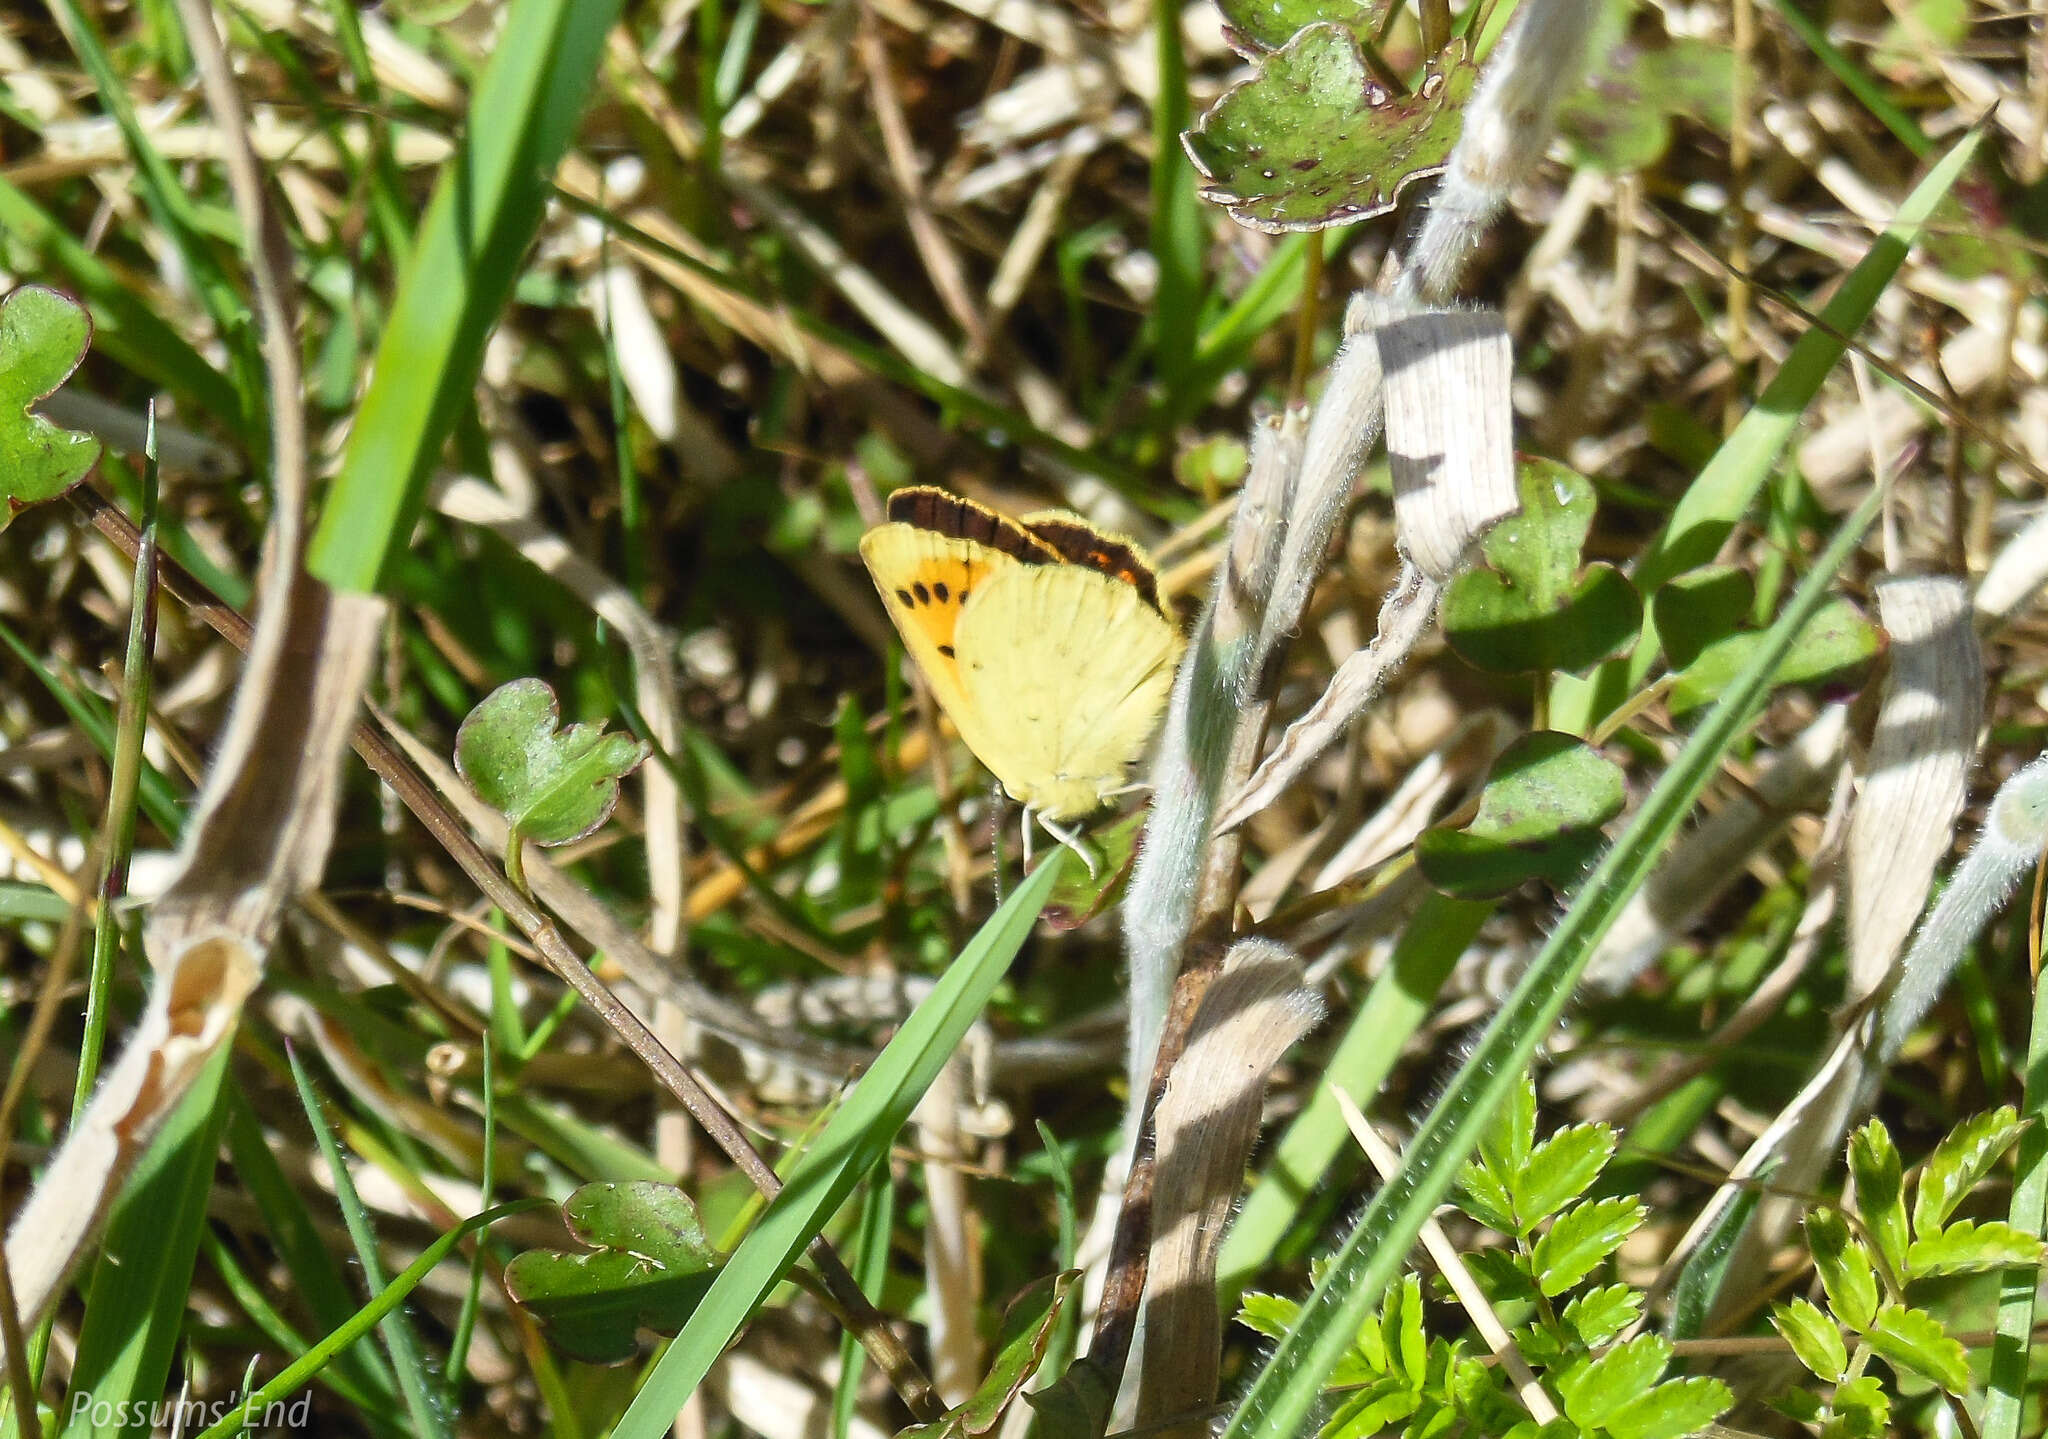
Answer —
926 580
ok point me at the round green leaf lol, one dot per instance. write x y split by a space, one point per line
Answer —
1836 640
553 785
651 1265
1259 27
43 337
1539 817
1314 140
1533 607
1694 610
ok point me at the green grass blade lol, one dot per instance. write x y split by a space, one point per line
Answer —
855 1140
428 1418
316 1277
130 725
483 216
302 1369
1290 1383
171 203
1855 79
1716 501
1179 225
135 1309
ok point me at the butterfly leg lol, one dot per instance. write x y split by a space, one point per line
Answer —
1028 817
1071 838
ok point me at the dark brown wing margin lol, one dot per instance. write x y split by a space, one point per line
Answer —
925 508
1077 544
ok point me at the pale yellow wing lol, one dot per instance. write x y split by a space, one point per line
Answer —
1066 671
927 580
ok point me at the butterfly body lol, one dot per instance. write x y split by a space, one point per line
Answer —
1042 639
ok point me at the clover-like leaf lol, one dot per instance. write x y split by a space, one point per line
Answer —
1534 606
650 1267
1583 1236
1694 610
1914 1341
1259 27
1539 817
1313 139
1027 1329
1621 119
1965 1154
43 338
553 785
1837 639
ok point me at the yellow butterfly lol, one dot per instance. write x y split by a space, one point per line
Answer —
1042 638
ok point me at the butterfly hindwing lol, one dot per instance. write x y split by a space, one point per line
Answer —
1067 670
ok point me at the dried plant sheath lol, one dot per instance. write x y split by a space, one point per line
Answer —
1340 434
1917 769
1207 1118
1450 432
264 820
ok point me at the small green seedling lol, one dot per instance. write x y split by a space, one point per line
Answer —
1867 1268
553 785
1567 1329
650 1265
43 339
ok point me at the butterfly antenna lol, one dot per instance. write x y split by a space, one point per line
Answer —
1071 838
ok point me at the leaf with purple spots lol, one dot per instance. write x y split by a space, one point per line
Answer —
1314 139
